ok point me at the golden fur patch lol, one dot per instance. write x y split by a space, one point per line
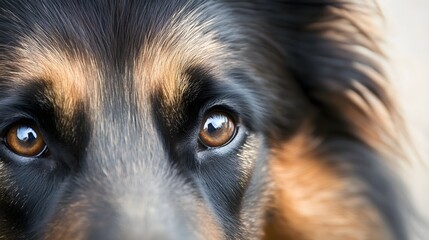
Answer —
70 77
313 201
183 43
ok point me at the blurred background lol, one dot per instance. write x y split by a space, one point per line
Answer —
407 27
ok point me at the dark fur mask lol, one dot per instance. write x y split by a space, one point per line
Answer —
119 89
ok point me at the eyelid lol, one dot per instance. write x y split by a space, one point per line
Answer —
220 106
15 118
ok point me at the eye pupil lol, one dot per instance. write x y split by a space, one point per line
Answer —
217 129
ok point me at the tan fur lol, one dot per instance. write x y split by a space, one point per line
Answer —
177 47
75 219
312 198
70 77
313 201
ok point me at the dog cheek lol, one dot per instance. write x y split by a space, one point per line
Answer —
312 200
69 223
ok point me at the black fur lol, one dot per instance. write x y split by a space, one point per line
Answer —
122 168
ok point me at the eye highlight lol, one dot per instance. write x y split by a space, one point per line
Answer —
217 129
24 139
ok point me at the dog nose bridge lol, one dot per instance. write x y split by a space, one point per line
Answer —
125 133
143 214
128 188
128 158
130 171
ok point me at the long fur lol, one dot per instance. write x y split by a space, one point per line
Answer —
126 83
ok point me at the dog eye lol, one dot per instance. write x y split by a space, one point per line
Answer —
217 129
25 140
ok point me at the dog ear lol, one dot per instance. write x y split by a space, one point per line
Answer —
331 49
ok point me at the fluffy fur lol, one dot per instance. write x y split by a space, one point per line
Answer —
119 88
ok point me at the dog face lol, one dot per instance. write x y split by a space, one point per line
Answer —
187 120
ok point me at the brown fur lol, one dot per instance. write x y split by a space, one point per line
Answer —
313 200
316 167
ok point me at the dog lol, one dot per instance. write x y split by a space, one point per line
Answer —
127 119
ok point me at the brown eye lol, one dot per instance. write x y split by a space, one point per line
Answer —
25 140
217 129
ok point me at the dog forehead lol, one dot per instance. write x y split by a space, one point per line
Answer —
186 43
78 56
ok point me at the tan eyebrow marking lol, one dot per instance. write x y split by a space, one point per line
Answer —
70 77
184 42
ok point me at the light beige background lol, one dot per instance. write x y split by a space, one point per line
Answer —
407 26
